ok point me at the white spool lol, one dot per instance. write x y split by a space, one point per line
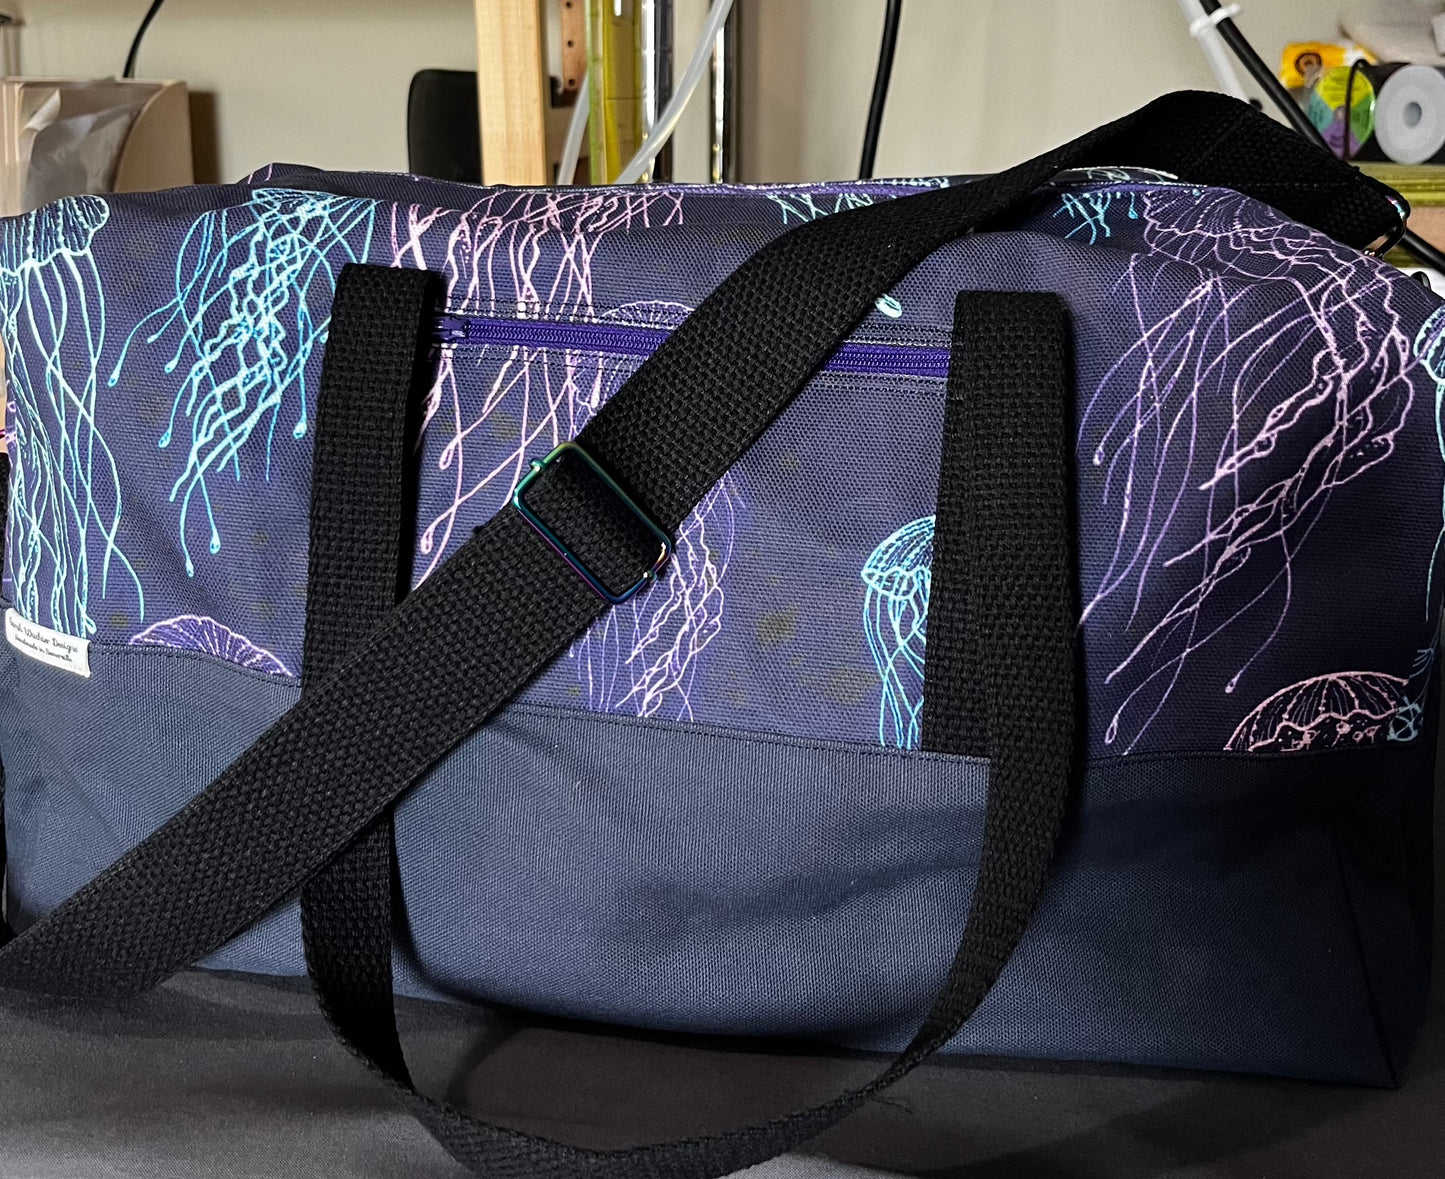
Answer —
1410 114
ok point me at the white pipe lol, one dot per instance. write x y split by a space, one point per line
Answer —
1201 27
668 120
576 131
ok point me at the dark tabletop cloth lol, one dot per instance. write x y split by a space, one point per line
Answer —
227 1076
239 1078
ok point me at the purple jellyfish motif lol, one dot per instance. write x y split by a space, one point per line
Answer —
1430 348
1344 708
641 657
193 632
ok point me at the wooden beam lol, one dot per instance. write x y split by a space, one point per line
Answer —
572 27
512 91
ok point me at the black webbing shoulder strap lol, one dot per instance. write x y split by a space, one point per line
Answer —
374 380
481 626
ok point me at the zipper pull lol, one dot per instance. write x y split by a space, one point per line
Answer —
450 329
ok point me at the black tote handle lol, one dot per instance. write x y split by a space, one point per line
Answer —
503 606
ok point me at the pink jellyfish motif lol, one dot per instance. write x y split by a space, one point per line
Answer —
1343 708
642 657
193 632
1218 441
521 255
1430 348
517 254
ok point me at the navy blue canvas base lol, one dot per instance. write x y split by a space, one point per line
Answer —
1224 912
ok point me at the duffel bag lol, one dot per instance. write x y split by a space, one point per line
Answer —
995 617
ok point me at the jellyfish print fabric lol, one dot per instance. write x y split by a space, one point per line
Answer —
897 577
190 633
1348 708
253 285
1244 451
65 561
493 409
1260 458
1344 708
1241 461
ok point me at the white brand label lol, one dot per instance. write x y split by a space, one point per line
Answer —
48 646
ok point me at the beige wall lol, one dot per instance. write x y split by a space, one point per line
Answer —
978 83
307 81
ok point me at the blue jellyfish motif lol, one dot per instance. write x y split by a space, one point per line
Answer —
193 632
1406 724
66 497
805 205
253 289
1089 209
897 577
808 202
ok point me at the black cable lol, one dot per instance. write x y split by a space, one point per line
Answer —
129 71
880 88
1262 74
1355 68
1425 254
1411 242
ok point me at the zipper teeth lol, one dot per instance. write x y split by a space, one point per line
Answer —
630 340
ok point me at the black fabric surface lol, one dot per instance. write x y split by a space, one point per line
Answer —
236 1077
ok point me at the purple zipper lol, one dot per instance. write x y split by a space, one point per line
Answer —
615 339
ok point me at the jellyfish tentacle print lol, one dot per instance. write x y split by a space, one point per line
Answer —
252 295
1406 724
1090 207
809 206
808 202
897 578
194 632
66 496
1193 509
642 657
527 254
523 254
1430 348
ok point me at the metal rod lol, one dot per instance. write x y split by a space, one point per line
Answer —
724 105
